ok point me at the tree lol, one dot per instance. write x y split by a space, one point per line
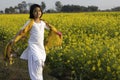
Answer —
1 11
66 8
83 8
22 7
73 8
116 9
43 6
58 5
11 9
16 9
92 8
7 10
51 11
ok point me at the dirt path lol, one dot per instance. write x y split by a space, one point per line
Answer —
18 71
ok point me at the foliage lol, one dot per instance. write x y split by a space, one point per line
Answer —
91 44
58 5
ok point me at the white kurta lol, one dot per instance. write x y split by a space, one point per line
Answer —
35 52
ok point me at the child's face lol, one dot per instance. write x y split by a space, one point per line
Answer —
37 12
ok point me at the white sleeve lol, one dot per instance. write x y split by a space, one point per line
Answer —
45 26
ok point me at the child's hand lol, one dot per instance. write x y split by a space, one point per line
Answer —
60 34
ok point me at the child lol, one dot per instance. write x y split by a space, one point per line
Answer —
35 52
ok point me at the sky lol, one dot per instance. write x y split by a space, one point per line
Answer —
50 4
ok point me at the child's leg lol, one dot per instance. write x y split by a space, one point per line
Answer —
35 69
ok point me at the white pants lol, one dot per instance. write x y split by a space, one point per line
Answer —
35 68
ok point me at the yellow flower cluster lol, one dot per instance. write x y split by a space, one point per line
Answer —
91 43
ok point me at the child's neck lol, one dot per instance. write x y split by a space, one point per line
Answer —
37 20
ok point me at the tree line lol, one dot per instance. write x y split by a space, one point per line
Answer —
23 7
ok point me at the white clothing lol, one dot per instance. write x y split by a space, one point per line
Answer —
36 41
35 52
35 68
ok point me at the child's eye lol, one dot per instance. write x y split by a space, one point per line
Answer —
39 10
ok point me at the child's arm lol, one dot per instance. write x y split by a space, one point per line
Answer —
18 36
54 37
52 28
23 31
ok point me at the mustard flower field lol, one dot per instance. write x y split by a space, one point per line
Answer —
90 49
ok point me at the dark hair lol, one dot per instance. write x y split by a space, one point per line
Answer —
32 8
